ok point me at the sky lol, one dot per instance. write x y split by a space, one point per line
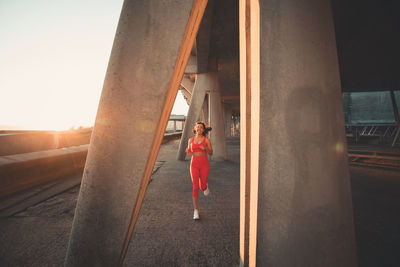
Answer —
53 60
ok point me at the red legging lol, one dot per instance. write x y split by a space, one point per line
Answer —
199 169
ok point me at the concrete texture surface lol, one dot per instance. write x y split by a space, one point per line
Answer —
166 235
304 191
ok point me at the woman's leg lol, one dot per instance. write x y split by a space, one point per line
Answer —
194 173
196 203
204 171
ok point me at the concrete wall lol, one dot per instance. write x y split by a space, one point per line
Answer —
23 171
25 142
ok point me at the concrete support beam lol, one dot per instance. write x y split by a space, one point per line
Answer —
302 215
205 110
227 119
187 84
191 67
217 123
249 128
196 104
186 95
203 39
205 103
150 52
198 60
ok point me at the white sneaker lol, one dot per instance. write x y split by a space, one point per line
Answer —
207 191
196 215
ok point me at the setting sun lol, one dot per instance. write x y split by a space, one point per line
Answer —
54 57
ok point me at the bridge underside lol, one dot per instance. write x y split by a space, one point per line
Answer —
279 65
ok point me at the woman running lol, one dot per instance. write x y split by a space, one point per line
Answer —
199 146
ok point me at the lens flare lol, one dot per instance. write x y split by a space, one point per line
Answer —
339 147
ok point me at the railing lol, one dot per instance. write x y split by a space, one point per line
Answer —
373 158
382 134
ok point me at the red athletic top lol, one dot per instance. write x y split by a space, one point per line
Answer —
196 147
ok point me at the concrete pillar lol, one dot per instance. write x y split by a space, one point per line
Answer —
196 104
217 123
249 131
205 82
299 212
205 111
227 119
149 55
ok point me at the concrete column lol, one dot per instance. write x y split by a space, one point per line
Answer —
217 123
205 82
196 104
300 199
227 119
249 129
205 114
150 51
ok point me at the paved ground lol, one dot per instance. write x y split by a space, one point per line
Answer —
166 235
376 204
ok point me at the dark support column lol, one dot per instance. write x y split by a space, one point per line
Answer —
205 115
217 135
305 215
205 82
227 119
151 49
249 128
296 209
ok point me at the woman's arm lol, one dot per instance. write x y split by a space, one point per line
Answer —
209 149
189 149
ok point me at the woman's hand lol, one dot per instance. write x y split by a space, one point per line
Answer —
208 149
189 147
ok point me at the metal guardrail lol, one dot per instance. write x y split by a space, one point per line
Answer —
368 158
385 133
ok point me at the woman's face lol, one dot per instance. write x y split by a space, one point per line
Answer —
199 128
